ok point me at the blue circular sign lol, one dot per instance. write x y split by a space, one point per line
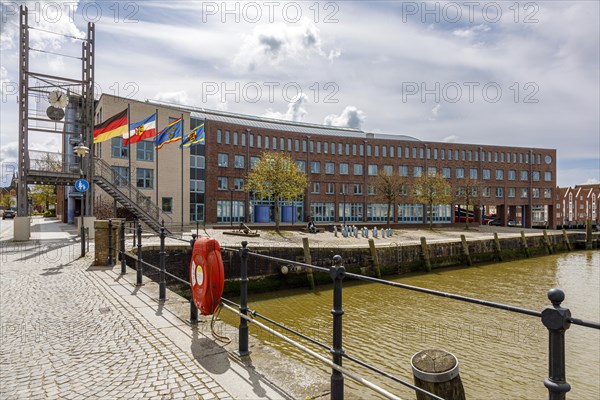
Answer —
82 185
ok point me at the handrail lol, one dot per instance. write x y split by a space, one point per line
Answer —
142 201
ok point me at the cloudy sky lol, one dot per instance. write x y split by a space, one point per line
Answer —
504 73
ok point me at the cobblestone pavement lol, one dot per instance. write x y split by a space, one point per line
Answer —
65 335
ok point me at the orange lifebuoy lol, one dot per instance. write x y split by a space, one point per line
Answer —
206 275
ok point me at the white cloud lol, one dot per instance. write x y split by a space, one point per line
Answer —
592 181
435 112
450 139
178 97
295 110
351 117
470 32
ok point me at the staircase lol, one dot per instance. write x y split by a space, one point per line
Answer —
139 204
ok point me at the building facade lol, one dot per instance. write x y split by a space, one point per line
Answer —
575 205
206 182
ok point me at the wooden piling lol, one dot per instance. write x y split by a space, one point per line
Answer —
588 234
524 244
425 254
437 372
374 257
497 247
566 239
465 250
308 260
548 244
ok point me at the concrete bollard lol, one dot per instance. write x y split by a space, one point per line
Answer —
366 232
390 232
335 231
375 232
437 372
383 233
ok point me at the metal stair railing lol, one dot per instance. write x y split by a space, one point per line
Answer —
138 200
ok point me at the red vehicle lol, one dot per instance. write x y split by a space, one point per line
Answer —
462 217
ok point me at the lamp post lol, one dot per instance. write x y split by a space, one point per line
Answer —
81 150
344 196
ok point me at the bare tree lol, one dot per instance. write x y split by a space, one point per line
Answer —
387 189
468 195
430 190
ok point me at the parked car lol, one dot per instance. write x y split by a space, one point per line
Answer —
495 222
511 222
8 214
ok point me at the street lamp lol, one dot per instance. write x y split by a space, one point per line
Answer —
81 150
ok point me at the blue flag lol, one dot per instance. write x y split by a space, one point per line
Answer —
196 136
170 134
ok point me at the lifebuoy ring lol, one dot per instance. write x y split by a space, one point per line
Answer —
206 275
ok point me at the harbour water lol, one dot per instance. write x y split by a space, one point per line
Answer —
502 355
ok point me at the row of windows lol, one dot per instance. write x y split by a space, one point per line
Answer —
353 212
304 145
144 178
144 150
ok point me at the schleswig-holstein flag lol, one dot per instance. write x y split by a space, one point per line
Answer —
138 131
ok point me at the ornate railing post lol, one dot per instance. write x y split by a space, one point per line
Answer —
82 237
243 329
337 273
193 308
110 244
556 319
139 271
162 283
134 234
123 261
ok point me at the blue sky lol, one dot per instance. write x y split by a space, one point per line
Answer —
505 73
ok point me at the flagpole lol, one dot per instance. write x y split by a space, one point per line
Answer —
129 146
156 155
182 128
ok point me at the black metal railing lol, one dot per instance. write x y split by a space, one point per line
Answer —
555 318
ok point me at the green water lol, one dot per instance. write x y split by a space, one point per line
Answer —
502 355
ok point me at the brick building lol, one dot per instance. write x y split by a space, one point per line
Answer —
341 164
575 205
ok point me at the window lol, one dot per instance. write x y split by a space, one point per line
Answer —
197 162
358 169
196 186
432 171
144 150
512 192
318 147
387 170
274 147
399 151
312 146
512 174
144 178
253 161
372 170
403 170
326 147
414 152
476 154
340 149
222 183
315 167
347 149
316 187
446 172
368 150
353 149
535 176
450 155
499 192
343 168
435 154
322 212
378 213
251 140
486 173
267 142
289 142
403 191
535 193
460 173
499 174
548 194
443 154
391 151
361 150
470 155
225 209
487 191
524 175
329 168
240 161
243 139
462 155
343 188
524 193
235 138
219 136
371 191
358 188
417 171
406 152
421 153
301 165
259 141
330 188
548 176
223 160
495 156
333 148
167 204
117 150
304 146
238 184
226 137
120 176
350 212
410 213
297 145
473 173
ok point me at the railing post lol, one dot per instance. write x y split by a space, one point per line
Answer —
134 234
337 273
123 261
243 328
162 283
110 244
556 319
82 237
139 271
193 308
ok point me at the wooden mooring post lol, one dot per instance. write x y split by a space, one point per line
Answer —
308 260
588 234
566 237
436 371
524 244
425 254
548 244
497 248
465 250
374 257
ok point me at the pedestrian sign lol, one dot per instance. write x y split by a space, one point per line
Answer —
82 185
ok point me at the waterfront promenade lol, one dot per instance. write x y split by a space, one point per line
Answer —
70 330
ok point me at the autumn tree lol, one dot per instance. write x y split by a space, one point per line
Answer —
276 176
387 189
6 200
43 195
430 190
468 195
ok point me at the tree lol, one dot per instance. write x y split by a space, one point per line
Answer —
431 190
277 177
6 201
468 194
387 188
43 195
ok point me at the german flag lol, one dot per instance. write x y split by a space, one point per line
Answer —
117 125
